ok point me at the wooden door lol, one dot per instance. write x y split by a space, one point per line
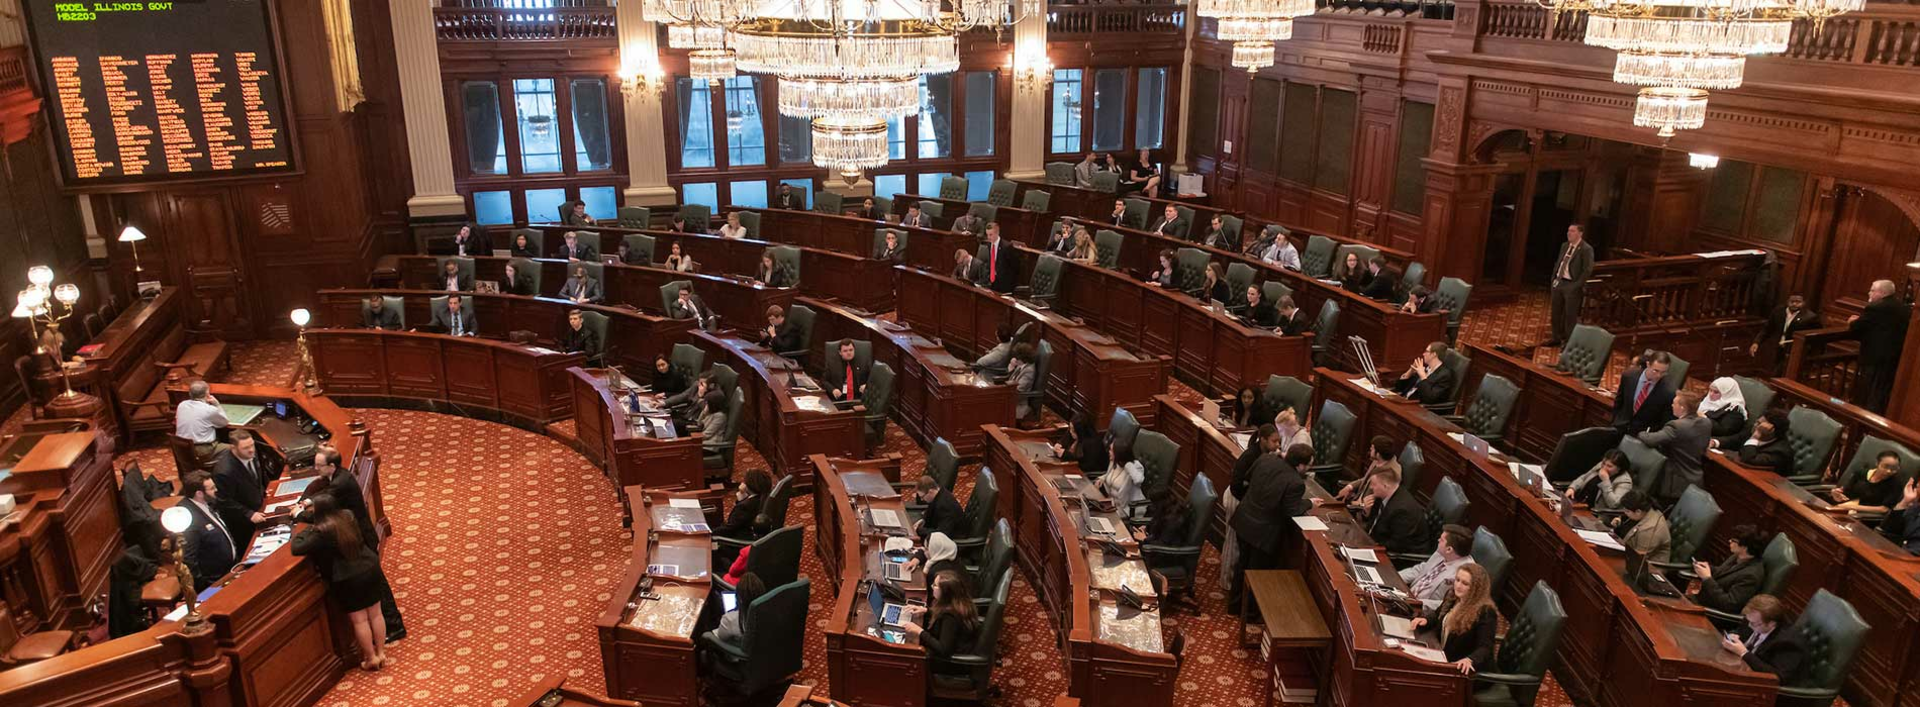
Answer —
1872 240
208 262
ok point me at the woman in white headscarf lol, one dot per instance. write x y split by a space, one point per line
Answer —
942 554
1726 408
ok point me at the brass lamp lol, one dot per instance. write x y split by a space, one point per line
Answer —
307 377
176 520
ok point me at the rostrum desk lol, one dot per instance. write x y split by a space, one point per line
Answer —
647 645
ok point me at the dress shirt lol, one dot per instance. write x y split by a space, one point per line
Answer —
1433 578
198 420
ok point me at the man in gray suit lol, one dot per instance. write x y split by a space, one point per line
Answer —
456 317
1570 272
582 288
1684 442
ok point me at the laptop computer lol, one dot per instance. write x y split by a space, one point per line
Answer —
894 568
1474 444
885 612
1210 411
729 600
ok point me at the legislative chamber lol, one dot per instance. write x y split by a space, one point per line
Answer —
902 353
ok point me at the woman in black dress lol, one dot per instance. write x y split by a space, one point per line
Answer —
351 568
1080 442
1466 621
948 624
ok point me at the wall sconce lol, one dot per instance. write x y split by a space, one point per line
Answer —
1703 161
1032 70
647 79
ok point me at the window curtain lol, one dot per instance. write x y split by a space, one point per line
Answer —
481 107
590 120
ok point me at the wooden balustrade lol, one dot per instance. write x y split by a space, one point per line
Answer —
1527 20
1827 360
1104 19
1646 293
494 24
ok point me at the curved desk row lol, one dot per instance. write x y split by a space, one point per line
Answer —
634 338
1090 371
522 384
1618 649
647 644
849 276
272 638
863 667
786 423
1016 223
935 394
1115 656
631 454
738 300
926 247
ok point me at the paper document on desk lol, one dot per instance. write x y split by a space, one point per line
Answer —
1241 439
1424 653
1396 627
885 518
273 508
1517 467
1360 554
242 415
693 503
1599 538
294 486
1366 385
1309 523
1456 436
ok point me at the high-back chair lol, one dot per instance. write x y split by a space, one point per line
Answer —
1451 295
1123 427
1834 632
462 265
985 212
533 235
878 400
1045 283
688 360
1647 464
397 305
750 220
933 209
1106 248
827 202
801 317
1811 435
1179 564
1586 352
953 187
977 684
1060 173
1779 560
729 434
526 268
1000 192
1317 259
1456 363
982 503
1287 392
1490 552
670 292
1578 451
699 218
772 644
1691 518
1331 431
1415 276
787 258
1190 268
1449 506
1036 200
1159 457
1677 372
862 353
880 238
1272 290
1413 461
1865 457
1134 214
1108 182
1325 327
633 217
1239 278
596 322
1486 417
995 560
1759 399
640 245
1533 638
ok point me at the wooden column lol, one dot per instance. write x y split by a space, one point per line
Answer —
1662 204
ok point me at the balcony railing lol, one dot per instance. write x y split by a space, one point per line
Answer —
485 21
1424 9
1102 19
1866 39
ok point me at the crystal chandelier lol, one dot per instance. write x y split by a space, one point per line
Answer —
1677 50
849 146
879 99
1253 26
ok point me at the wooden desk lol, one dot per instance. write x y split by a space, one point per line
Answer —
1617 649
552 692
1090 371
926 247
519 384
1016 224
935 394
737 299
273 637
634 338
1551 404
55 556
864 668
660 458
784 424
646 645
853 277
1205 449
125 370
1110 660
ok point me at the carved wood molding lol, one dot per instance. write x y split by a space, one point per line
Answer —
1908 202
18 103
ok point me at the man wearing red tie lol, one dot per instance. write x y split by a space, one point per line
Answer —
1003 265
846 377
1644 400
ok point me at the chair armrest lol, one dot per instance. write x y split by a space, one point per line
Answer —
1455 419
724 541
1409 559
1809 693
1171 550
732 651
975 661
1673 565
1806 479
719 581
1688 574
1513 679
1713 613
1819 488
964 543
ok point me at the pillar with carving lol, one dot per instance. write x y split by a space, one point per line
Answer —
416 52
1458 194
1032 84
643 84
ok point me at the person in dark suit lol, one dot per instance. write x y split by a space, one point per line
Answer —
1767 447
1275 493
1644 401
339 483
451 279
1215 288
514 282
1382 280
790 199
1119 215
688 305
774 274
1170 223
351 568
890 249
1775 342
846 376
667 380
967 268
210 547
1080 443
1293 321
1003 264
1060 241
868 210
454 318
969 224
915 218
577 248
582 288
1394 518
577 338
1465 621
523 247
1571 268
779 335
241 473
577 214
1420 301
1729 585
1256 310
1903 524
749 501
1426 380
138 563
377 316
472 240
1881 329
1218 237
1683 440
1770 645
943 514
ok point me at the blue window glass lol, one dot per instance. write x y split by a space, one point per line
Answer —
543 205
977 185
539 128
602 202
886 186
753 193
492 208
696 124
936 116
1066 111
1150 111
929 184
746 134
702 193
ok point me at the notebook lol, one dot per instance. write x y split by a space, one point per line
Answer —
1100 525
1396 627
884 518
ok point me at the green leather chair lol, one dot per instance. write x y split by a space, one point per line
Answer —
1331 431
1449 505
977 685
1036 399
1759 399
1160 457
722 456
1834 632
1273 290
1690 520
597 323
1235 228
1123 426
1190 269
981 509
633 217
786 258
1036 200
1577 451
985 212
688 360
1317 259
1366 253
995 562
883 204
1060 173
1490 552
1179 564
943 464
397 305
699 218
1586 353
801 316
1135 215
1780 560
1533 637
772 645
1001 191
725 377
878 400
1106 248
1239 278
750 220
1413 461
775 556
1486 417
1811 434
830 352
642 245
827 202
534 239
463 265
1415 276
1108 182
1457 364
933 209
1045 285
1677 372
1647 463
1325 327
953 188
1865 456
1451 295
1287 391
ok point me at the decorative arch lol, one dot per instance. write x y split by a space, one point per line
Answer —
1908 202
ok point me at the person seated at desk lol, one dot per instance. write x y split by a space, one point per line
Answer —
1291 321
1170 223
137 564
1246 410
914 218
1903 524
1382 455
941 555
626 255
1381 280
678 224
577 338
967 268
582 288
1427 380
576 248
943 513
732 228
846 376
1218 237
1726 408
451 280
210 548
1420 301
690 406
242 475
1022 374
749 501
1167 525
1061 240
1466 620
688 305
1352 274
471 240
454 319
1084 170
377 316
351 568
1684 442
1124 478
577 215
1083 251
1874 491
712 419
732 628
1729 585
522 247
1604 487
1394 518
1645 530
1644 400
970 224
1214 288
790 199
1767 448
1119 215
1771 644
1080 442
774 274
199 419
1292 433
947 626
1431 581
1277 250
868 210
778 335
1163 277
890 249
993 363
667 380
514 282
